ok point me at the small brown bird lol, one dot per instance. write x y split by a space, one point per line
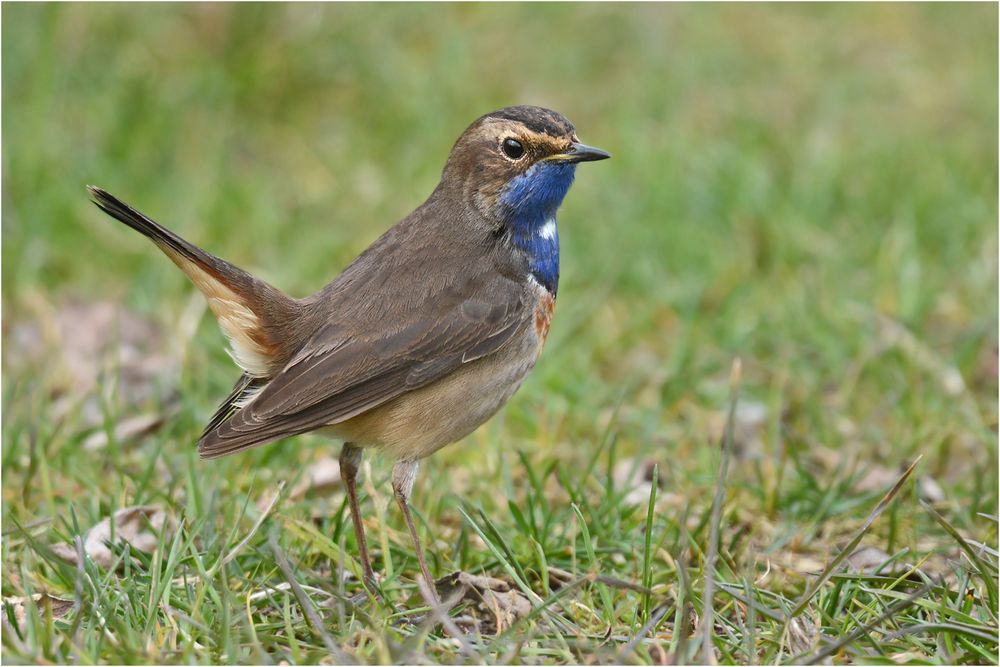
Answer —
424 336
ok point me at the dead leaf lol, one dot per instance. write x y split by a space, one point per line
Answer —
58 606
803 635
138 526
748 428
869 559
660 655
489 598
829 459
930 490
77 345
320 478
559 578
126 431
801 563
637 477
876 478
908 657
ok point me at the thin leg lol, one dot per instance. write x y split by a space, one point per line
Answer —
403 475
350 459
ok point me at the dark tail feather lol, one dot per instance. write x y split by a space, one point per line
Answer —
160 235
262 342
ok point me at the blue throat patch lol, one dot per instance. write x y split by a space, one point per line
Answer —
529 204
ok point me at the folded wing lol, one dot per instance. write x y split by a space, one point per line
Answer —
342 372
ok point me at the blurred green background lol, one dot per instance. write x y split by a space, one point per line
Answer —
812 188
780 173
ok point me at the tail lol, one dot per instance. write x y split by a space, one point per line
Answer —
258 319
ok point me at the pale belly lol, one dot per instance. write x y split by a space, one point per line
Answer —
422 421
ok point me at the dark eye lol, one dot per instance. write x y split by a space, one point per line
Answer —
512 148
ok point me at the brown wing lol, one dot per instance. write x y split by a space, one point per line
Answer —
342 372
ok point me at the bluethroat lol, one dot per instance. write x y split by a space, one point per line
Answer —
424 336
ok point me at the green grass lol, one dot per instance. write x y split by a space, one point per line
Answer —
810 189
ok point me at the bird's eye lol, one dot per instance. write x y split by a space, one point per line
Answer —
512 148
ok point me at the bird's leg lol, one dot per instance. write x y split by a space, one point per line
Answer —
350 461
403 475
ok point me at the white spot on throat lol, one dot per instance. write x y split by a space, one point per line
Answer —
533 281
548 230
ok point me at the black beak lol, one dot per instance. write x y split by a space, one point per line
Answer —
578 152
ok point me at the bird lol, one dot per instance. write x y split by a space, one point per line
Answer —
423 337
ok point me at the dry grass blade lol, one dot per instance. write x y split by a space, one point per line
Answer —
707 654
736 593
27 526
306 604
684 632
683 608
852 545
614 582
78 589
955 628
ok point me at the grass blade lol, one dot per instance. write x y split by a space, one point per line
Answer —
707 655
306 604
647 552
891 611
984 573
849 549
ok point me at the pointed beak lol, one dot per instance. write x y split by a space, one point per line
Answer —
578 152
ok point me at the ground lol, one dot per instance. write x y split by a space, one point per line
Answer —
811 190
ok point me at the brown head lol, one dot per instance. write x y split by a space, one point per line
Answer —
521 156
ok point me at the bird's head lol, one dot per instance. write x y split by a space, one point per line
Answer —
517 163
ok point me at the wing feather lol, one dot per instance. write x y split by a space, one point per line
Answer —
341 373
